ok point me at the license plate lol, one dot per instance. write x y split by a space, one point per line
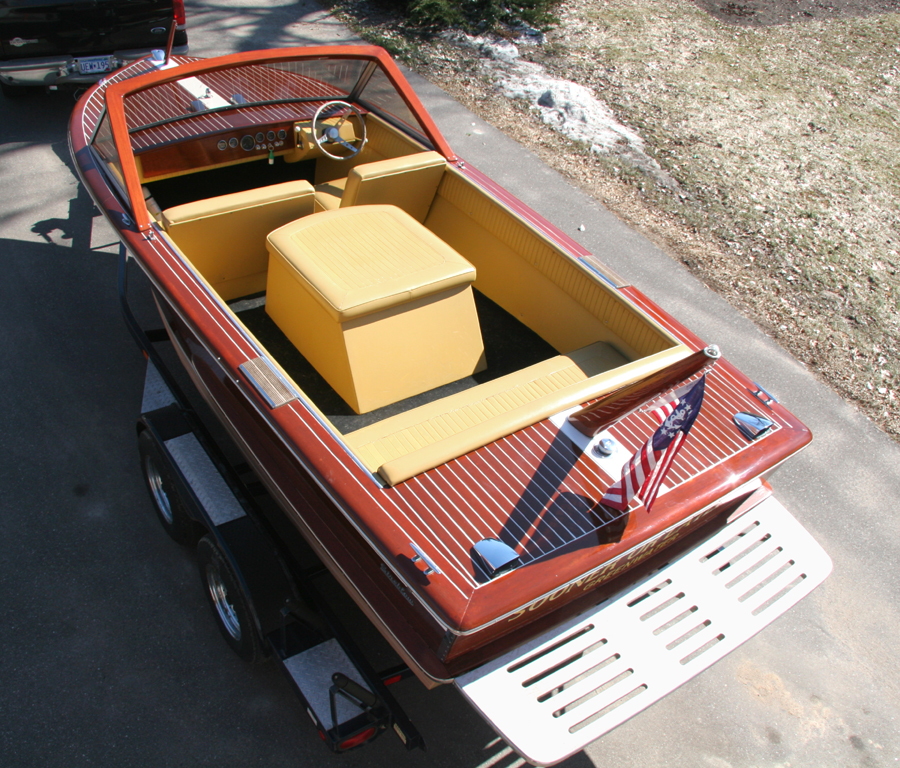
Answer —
93 66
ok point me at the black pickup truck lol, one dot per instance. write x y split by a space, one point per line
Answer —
72 43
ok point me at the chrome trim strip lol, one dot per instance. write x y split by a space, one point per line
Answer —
596 270
270 384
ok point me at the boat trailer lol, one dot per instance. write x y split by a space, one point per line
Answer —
548 698
265 591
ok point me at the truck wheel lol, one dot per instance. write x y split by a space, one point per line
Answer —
170 507
229 603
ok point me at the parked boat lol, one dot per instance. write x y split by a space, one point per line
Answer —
482 431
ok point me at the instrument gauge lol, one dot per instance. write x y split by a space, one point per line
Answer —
247 142
222 145
282 134
233 142
260 137
271 135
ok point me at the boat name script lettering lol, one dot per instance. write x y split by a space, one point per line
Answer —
393 579
617 566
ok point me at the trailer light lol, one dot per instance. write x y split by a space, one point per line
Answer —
355 741
178 8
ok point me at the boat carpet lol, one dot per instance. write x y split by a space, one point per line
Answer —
508 345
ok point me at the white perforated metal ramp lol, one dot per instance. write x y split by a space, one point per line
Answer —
555 695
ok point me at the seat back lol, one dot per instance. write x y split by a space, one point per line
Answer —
409 182
224 237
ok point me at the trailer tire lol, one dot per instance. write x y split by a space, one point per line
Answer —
170 507
230 604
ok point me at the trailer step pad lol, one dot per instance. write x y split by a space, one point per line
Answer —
565 689
203 477
312 669
156 393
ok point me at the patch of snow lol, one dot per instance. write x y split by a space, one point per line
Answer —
564 106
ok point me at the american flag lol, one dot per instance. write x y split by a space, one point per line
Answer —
643 473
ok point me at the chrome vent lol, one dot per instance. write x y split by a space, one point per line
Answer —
495 557
752 425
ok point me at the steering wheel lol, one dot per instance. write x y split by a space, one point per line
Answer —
331 134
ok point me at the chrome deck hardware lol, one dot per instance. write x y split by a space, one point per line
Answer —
430 567
764 397
495 557
751 425
604 447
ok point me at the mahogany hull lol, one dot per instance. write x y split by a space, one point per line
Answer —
436 652
447 623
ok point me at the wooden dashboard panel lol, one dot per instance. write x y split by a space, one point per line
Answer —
225 148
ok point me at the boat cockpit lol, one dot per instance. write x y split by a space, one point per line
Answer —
420 314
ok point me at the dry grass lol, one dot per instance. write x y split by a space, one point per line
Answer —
785 142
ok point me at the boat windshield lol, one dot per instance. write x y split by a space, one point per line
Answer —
264 92
104 144
380 96
269 85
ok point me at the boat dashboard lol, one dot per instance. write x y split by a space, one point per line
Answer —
175 149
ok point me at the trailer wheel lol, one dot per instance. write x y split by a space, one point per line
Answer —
229 603
169 506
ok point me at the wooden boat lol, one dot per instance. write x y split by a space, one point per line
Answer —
417 365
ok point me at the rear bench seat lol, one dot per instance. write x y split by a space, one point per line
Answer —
403 446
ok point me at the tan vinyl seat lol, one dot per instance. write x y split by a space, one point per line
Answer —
380 307
409 182
224 237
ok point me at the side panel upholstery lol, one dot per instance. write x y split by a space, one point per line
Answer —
533 280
